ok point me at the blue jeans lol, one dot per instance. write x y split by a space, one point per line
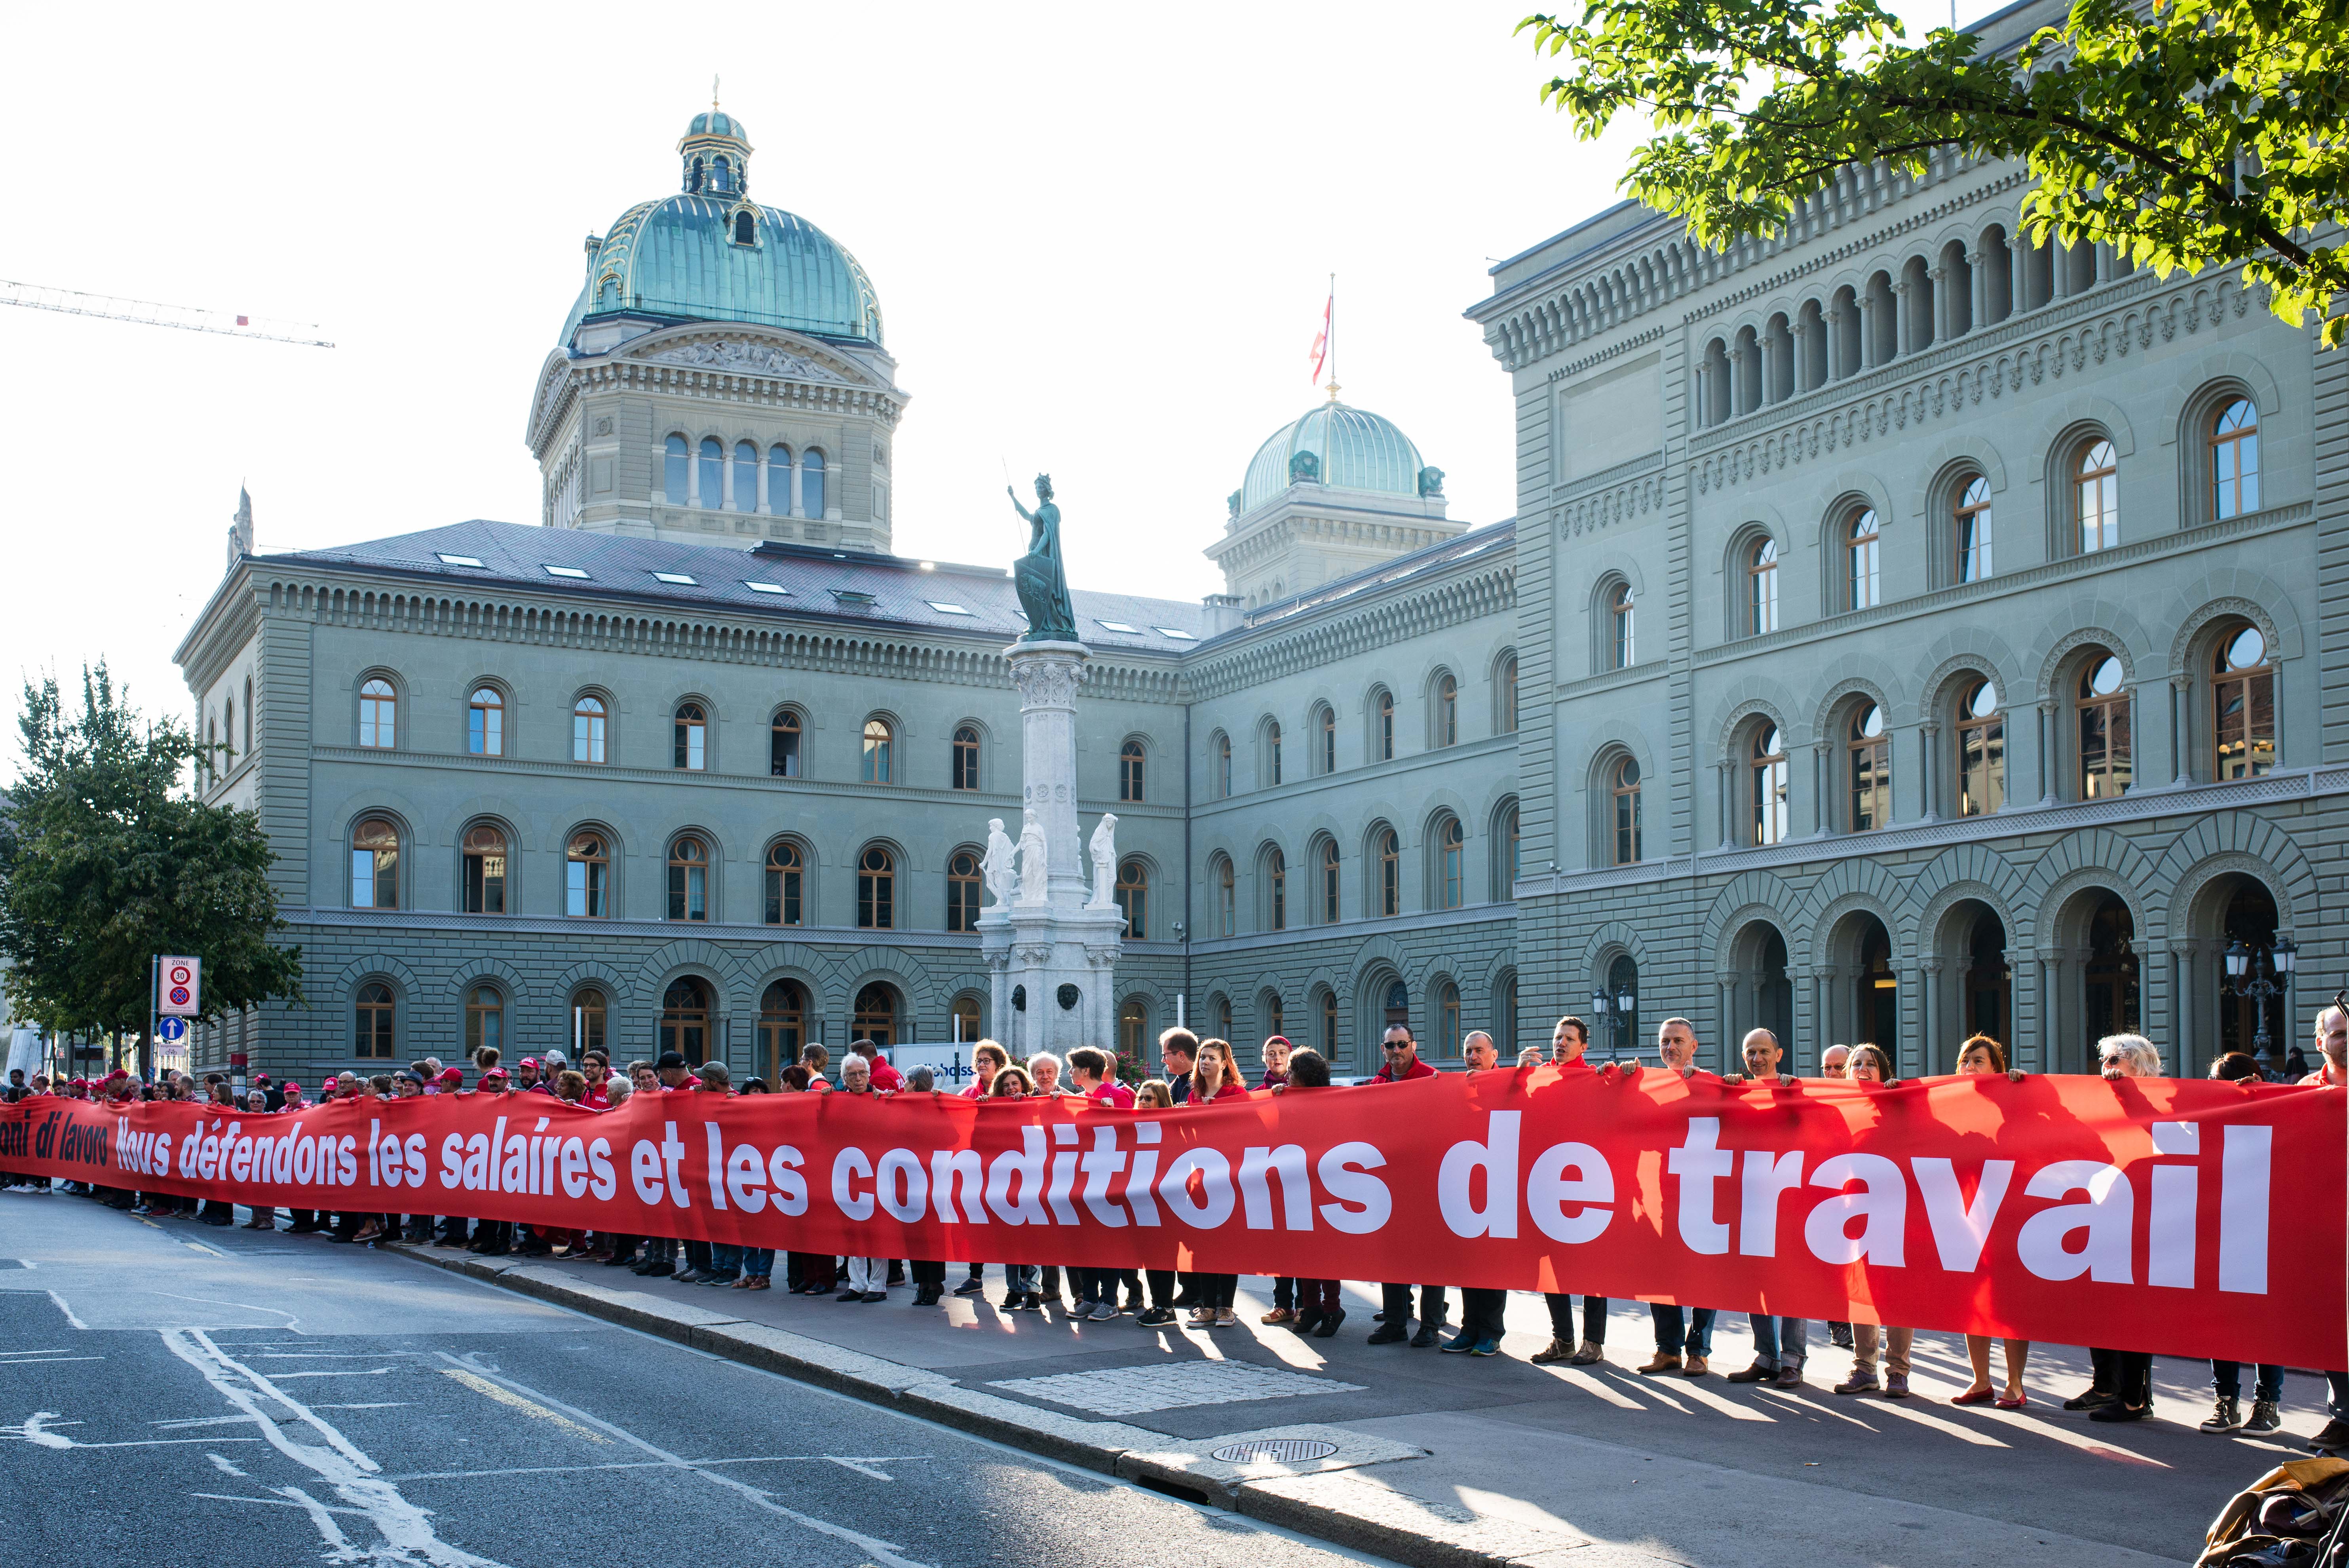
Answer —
2227 1380
759 1263
1778 1341
725 1260
1675 1335
1020 1279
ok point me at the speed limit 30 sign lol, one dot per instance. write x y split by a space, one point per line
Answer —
179 986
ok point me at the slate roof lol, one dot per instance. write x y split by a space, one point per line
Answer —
882 589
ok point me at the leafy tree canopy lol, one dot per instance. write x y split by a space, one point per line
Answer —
2185 133
106 859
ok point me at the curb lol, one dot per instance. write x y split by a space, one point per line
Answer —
1354 1513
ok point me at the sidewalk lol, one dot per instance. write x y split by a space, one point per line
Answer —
1443 1460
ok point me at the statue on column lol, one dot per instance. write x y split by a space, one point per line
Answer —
1032 875
1042 581
1104 850
997 869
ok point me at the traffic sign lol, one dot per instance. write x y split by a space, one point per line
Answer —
179 987
172 1030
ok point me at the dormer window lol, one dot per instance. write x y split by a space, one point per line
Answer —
746 232
721 176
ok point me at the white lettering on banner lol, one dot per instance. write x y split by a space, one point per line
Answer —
1140 1183
1497 1158
574 1168
673 1156
2243 1210
2105 1222
746 1179
1103 1160
2170 1228
1699 1163
1025 1166
1882 1206
1065 1177
949 1167
715 1171
791 1197
1769 1176
1214 1204
1548 1192
497 1143
846 1165
645 1170
903 1189
1360 1201
1961 1230
1288 1163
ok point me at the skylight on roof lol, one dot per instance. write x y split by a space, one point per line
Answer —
448 560
565 571
943 608
768 588
1116 626
679 578
1179 637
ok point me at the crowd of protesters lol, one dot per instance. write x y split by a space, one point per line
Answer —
1198 1072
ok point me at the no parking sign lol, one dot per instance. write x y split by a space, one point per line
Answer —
178 988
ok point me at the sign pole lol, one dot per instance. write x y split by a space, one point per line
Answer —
147 1045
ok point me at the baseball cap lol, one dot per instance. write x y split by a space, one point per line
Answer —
451 1076
527 1062
670 1059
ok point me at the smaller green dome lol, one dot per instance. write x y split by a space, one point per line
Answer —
1348 447
717 122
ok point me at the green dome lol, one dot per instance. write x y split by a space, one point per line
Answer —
711 254
1348 447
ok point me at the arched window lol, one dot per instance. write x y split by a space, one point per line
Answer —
1224 1018
965 756
1505 697
1398 1005
1762 587
1134 899
1221 761
587 871
782 1026
1130 760
1451 863
677 472
2105 742
228 728
685 1018
587 717
374 865
1621 629
778 479
1869 753
876 889
1766 768
2098 479
1272 750
1447 1018
2242 703
248 714
691 734
1971 531
964 1013
783 732
589 1015
1384 719
1328 882
485 869
746 477
378 715
1386 871
812 482
744 231
877 1014
1981 750
1325 1034
1276 890
1132 1029
1227 896
689 878
1270 1014
1626 811
877 763
1510 864
485 1021
485 723
712 473
375 1035
786 882
962 891
1448 711
1862 586
2235 460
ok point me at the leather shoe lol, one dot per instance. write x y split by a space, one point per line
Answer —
1760 1372
2116 1411
1389 1334
1328 1326
2088 1399
1588 1356
1663 1361
1428 1334
1554 1351
1695 1366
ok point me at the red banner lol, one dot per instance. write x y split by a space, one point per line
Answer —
2185 1216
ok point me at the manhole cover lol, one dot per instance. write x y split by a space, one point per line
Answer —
1281 1450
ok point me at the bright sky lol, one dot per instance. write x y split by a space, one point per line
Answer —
1102 238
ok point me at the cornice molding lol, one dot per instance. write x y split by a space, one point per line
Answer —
1487 587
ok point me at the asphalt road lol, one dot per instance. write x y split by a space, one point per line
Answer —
178 1393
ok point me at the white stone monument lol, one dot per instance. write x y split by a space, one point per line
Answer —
1052 947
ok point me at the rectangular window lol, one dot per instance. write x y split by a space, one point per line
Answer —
583 898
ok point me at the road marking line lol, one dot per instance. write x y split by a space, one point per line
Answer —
45 1361
513 1402
645 1464
203 1421
343 1372
859 1469
887 1552
68 1311
386 1405
38 1430
266 1502
198 1246
222 1465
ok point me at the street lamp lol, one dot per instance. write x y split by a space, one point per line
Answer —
1601 1004
2245 980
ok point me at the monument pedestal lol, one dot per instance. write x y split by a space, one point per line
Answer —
1052 952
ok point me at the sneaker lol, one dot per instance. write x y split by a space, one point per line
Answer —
2088 1399
660 1269
1155 1316
2226 1414
688 1276
1461 1345
1012 1300
1896 1385
1760 1372
1389 1334
1486 1346
1861 1381
1549 1355
1031 1301
1328 1326
1841 1333
971 1286
1303 1322
2333 1438
2116 1411
1105 1312
1278 1315
1429 1332
2265 1418
1226 1319
1590 1355
1662 1361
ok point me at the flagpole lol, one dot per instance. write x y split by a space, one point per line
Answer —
1333 338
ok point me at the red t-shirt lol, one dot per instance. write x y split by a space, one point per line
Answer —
2316 1080
1112 1093
886 1078
1418 1069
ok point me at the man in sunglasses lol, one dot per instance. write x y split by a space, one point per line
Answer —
1403 1062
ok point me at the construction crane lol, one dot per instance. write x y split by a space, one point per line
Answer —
187 318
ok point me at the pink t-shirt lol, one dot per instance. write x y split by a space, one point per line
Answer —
1112 1093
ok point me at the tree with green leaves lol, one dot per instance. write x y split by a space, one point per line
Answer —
107 859
2185 133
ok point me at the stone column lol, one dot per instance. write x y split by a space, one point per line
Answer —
2047 754
1928 1017
2018 272
2184 951
1978 274
1904 335
1867 360
1738 380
